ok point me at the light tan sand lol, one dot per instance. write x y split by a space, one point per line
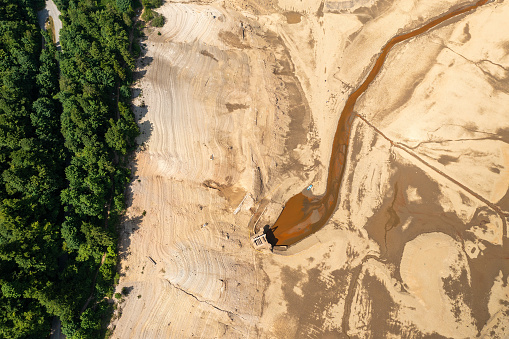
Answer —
241 109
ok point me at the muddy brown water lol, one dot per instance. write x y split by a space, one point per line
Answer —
305 213
292 17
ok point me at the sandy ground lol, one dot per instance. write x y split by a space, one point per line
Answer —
238 103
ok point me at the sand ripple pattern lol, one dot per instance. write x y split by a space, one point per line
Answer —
191 176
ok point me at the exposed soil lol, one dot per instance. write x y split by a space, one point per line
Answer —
239 103
303 214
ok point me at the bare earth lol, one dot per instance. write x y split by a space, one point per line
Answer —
238 102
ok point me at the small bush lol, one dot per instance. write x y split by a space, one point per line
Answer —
125 92
152 3
125 291
127 19
158 21
148 14
118 296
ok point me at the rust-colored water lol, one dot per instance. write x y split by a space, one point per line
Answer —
304 213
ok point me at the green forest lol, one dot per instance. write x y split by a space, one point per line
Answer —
66 128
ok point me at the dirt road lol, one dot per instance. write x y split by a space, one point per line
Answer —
51 10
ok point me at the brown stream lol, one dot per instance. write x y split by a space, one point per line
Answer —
305 213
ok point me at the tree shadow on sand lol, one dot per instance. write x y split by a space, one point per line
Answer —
131 223
128 228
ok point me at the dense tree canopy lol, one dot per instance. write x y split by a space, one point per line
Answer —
124 5
65 127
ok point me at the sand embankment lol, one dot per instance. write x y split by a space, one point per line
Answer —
237 83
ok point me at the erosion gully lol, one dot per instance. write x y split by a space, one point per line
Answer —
306 213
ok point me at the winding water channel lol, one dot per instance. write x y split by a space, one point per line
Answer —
305 213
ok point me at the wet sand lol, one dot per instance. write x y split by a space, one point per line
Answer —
305 213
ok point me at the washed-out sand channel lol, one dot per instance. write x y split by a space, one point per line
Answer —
305 213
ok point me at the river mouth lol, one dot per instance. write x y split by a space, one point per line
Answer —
304 213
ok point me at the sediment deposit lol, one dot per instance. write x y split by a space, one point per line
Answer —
238 104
